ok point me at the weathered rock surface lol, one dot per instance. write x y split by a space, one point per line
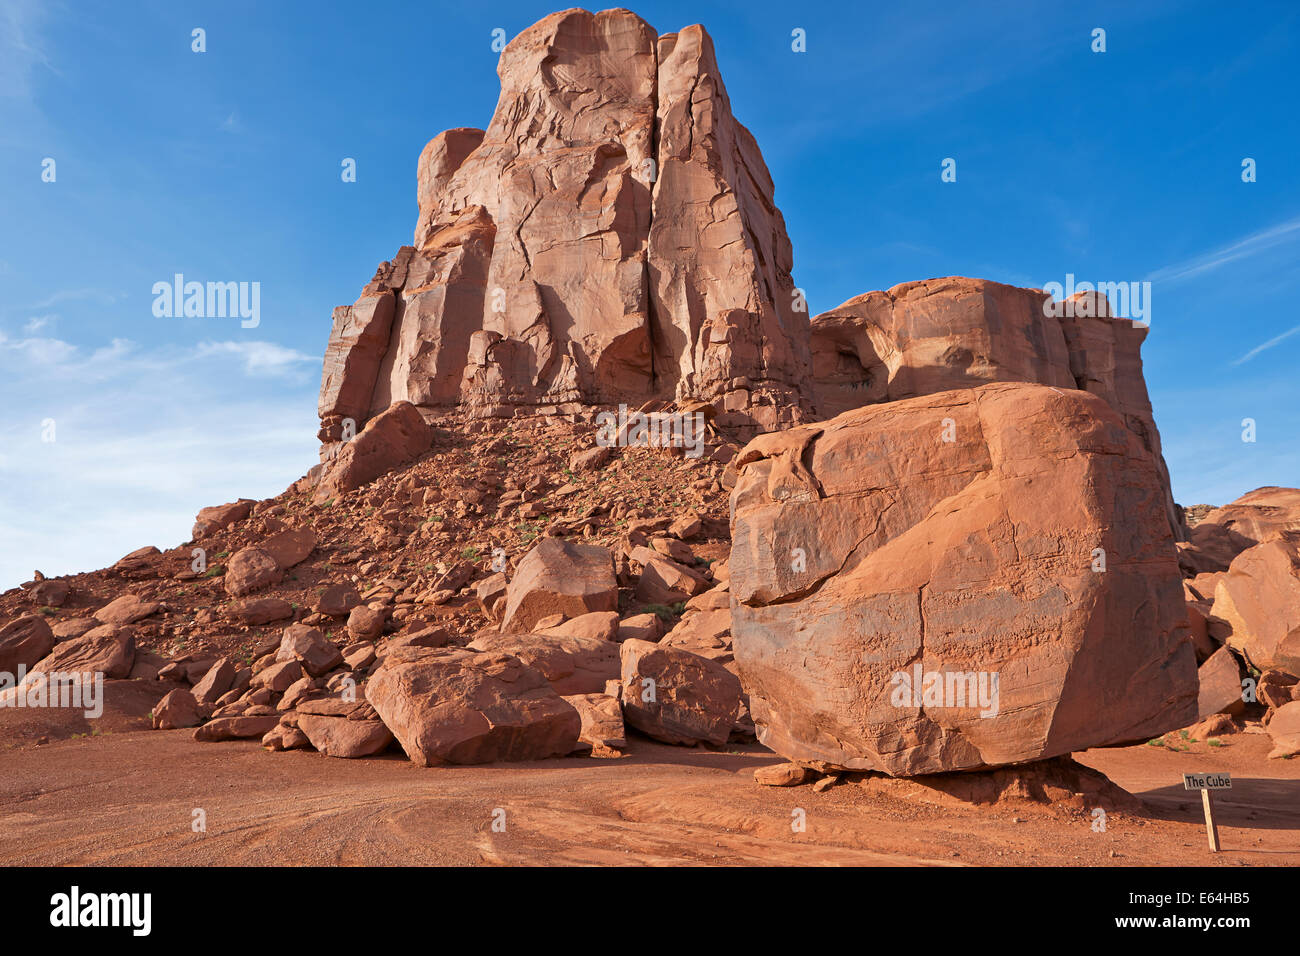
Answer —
108 649
720 261
462 707
23 642
573 664
341 737
676 696
602 722
869 545
1284 728
1259 602
707 633
559 577
1220 685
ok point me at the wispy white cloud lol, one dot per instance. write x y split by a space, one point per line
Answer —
143 438
22 46
60 359
1240 249
38 322
1267 345
260 358
98 296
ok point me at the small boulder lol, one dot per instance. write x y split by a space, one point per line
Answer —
597 626
559 577
491 594
236 727
641 627
218 679
24 642
212 519
289 547
458 706
279 677
593 459
108 649
126 609
676 696
365 623
602 722
249 570
337 600
782 775
49 593
285 737
341 737
391 438
258 611
310 648
177 709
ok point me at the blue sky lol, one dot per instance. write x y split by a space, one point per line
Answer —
225 165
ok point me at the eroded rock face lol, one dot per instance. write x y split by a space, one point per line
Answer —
1259 602
1256 517
869 546
559 577
392 438
920 338
727 327
24 642
611 237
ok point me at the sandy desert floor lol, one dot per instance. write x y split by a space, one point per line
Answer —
129 798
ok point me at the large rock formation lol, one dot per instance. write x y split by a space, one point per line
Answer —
1011 531
1258 516
920 338
610 238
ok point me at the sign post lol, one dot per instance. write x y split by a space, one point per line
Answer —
1205 782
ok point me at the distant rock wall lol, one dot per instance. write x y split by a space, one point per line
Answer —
919 338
